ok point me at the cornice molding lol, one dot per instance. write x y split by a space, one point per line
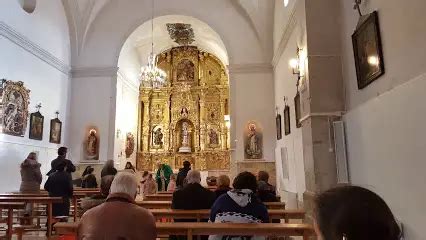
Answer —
22 41
289 28
83 72
250 68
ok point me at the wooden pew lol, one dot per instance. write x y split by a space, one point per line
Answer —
10 206
76 195
201 228
205 214
168 204
42 200
158 197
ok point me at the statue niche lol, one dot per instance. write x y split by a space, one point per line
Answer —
157 137
184 131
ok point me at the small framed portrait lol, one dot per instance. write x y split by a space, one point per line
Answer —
36 126
287 128
297 110
55 131
279 128
367 45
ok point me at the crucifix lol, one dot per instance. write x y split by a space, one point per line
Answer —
57 114
38 106
356 6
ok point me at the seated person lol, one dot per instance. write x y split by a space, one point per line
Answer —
265 194
59 184
263 178
239 205
95 200
223 183
119 217
193 195
354 213
88 179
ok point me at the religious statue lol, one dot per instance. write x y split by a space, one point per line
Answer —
130 144
185 144
158 137
185 71
184 112
214 140
253 148
92 145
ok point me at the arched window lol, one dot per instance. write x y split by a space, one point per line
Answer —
286 3
28 5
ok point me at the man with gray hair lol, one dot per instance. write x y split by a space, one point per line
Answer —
193 195
119 217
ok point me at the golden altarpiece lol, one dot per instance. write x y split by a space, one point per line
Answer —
185 120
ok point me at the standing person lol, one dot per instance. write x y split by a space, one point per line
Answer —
172 184
62 154
353 213
88 178
149 185
182 174
223 187
108 169
119 217
30 178
163 176
129 167
59 184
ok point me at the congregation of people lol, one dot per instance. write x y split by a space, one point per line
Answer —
344 212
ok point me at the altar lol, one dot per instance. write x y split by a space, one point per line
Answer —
188 119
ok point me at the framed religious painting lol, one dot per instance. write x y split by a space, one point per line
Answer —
55 131
367 46
36 126
287 128
279 128
297 110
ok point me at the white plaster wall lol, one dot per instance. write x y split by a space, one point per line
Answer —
281 16
285 86
93 105
385 121
386 145
126 120
46 27
252 98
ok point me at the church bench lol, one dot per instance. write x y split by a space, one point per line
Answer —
41 200
10 206
205 214
201 228
76 196
168 204
158 197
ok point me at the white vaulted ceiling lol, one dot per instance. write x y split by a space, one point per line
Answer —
82 14
137 48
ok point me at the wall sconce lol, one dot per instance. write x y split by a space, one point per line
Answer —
298 64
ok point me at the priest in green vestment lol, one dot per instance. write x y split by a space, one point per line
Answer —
163 176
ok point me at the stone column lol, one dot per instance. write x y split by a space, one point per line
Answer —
322 98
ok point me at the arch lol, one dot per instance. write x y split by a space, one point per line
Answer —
123 18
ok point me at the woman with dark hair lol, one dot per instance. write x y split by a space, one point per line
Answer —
88 179
129 167
108 169
354 213
240 205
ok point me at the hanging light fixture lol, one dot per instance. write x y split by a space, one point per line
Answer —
151 75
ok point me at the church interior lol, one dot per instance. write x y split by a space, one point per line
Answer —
317 94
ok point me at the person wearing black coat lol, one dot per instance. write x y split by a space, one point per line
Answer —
88 178
108 169
180 180
192 196
59 184
62 153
